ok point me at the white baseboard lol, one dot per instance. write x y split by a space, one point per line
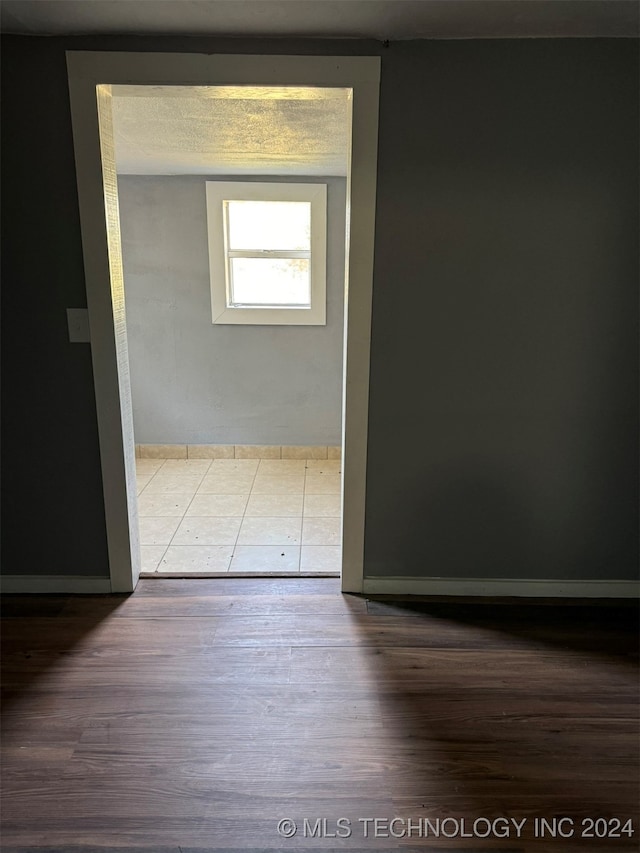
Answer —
489 587
43 584
501 587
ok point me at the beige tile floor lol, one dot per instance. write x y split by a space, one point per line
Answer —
239 515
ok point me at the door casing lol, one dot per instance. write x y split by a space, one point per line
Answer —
91 75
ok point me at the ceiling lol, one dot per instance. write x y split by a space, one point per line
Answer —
225 130
375 19
178 130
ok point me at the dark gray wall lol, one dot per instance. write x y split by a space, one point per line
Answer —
503 428
504 356
196 383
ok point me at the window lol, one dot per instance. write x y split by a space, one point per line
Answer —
267 252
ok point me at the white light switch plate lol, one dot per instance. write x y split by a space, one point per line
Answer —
78 322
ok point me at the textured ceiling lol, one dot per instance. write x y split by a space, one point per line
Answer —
377 19
180 130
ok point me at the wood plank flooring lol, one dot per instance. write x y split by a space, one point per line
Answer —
195 714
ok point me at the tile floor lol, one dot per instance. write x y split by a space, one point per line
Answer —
239 515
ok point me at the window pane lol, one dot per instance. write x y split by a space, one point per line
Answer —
270 281
256 225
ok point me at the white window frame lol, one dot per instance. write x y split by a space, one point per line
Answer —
221 311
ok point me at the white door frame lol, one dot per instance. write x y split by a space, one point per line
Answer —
91 75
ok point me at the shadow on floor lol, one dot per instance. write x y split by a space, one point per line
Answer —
27 655
605 628
520 709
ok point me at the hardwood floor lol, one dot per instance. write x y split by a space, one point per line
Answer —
195 714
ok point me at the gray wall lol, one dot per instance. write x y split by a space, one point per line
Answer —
508 221
193 382
503 414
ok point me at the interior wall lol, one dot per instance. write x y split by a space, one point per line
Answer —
503 411
508 370
198 383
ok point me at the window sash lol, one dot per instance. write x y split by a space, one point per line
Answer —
285 254
237 303
269 253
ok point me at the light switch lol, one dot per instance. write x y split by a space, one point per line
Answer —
78 322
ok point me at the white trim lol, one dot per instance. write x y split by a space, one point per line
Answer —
87 70
316 195
100 228
361 212
498 587
46 584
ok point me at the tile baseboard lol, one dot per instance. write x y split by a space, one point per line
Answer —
210 451
161 451
237 451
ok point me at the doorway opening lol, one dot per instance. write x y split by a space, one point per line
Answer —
95 81
232 209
